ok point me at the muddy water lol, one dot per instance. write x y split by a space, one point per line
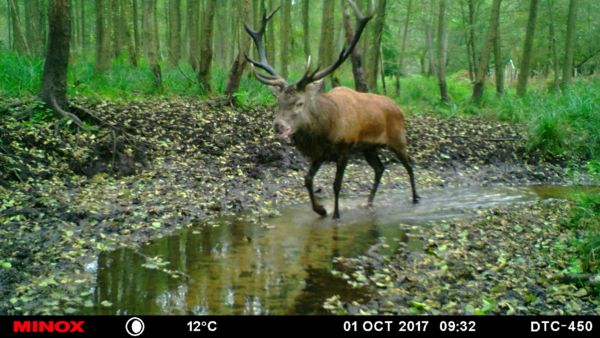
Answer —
281 266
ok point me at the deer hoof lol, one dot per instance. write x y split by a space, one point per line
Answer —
320 210
336 216
416 199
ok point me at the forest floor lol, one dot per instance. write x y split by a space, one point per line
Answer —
166 164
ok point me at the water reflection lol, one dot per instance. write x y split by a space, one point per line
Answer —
243 268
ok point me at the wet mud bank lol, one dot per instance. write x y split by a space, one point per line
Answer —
67 196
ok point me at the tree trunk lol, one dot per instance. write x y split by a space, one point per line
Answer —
235 73
428 22
19 41
382 70
326 43
466 30
527 48
554 52
270 43
498 64
150 38
82 30
74 27
360 83
306 27
206 48
135 13
33 27
285 37
374 47
569 44
233 14
400 70
490 36
129 36
54 79
117 28
102 38
471 41
174 43
442 47
193 13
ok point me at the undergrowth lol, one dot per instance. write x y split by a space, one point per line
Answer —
563 124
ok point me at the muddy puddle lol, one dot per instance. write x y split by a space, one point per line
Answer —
281 266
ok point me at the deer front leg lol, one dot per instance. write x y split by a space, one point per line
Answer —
375 163
308 182
337 184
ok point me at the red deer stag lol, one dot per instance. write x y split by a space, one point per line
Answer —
330 126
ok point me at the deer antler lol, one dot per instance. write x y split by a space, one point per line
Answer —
272 79
317 74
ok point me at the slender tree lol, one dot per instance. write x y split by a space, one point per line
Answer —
82 29
102 38
486 51
128 34
33 28
306 27
193 25
326 43
428 22
135 19
19 40
174 42
553 51
442 47
472 17
360 83
527 48
284 42
375 45
117 25
400 70
569 44
206 51
270 44
498 63
235 73
150 39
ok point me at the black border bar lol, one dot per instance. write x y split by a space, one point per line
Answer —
351 326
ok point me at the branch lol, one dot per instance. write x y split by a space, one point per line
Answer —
54 105
587 58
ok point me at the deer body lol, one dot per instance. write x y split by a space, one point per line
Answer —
344 118
329 126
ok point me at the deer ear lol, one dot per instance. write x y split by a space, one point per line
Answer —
276 90
314 87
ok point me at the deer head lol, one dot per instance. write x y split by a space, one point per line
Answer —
295 102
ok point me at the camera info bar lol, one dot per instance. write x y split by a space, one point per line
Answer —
351 326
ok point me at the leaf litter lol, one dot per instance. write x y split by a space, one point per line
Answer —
68 194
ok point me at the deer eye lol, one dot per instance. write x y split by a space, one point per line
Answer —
299 104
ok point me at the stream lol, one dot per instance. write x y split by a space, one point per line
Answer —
282 265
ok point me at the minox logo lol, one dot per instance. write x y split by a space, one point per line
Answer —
60 326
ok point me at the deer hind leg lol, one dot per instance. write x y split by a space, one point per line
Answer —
308 182
373 160
399 148
337 184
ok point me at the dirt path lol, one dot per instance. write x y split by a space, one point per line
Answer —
194 160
